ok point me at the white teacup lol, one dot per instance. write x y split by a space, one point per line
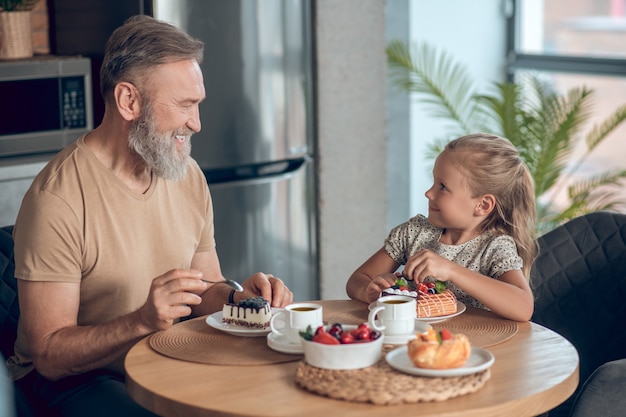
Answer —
297 317
396 315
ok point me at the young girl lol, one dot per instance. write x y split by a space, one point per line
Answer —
478 236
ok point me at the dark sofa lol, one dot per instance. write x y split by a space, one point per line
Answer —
579 281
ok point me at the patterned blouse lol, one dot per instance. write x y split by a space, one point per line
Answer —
489 254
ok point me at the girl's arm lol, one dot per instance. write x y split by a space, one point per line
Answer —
509 296
370 279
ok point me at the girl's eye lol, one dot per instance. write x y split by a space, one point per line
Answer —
442 187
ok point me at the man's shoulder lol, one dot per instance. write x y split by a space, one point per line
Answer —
65 161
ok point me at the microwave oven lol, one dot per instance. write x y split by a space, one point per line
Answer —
46 104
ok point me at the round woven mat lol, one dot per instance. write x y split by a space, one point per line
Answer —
382 385
195 341
489 331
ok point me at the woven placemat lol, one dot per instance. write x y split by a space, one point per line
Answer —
350 317
489 330
382 385
195 341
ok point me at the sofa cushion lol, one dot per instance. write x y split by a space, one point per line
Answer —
602 394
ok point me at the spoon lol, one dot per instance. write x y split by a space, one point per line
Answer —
233 284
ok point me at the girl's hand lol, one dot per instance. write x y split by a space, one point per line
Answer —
377 285
427 263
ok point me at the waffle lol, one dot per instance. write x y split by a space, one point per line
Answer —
434 305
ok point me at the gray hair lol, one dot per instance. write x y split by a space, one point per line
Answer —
139 45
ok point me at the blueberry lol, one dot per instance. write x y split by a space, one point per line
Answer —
253 302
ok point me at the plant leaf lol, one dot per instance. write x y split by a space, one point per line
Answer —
440 82
543 125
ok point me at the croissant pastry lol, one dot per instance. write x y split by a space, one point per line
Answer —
439 350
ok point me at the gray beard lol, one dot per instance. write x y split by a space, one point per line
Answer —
158 149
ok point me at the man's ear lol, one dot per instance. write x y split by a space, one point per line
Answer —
127 100
486 205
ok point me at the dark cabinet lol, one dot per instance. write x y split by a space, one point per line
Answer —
82 27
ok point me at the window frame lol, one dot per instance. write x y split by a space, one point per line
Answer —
516 61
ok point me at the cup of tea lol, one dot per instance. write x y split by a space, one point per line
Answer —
396 315
296 318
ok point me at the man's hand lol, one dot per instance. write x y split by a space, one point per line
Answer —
170 297
267 286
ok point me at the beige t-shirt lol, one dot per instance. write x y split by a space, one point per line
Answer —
79 223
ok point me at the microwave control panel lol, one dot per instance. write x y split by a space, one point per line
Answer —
73 107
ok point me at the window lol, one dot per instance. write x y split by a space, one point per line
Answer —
573 44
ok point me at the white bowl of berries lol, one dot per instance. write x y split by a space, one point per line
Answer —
342 346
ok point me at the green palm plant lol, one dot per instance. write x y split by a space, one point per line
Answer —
542 124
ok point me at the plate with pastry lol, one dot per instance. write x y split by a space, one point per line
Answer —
249 318
459 309
435 302
440 354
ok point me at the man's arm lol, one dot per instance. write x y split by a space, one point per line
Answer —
59 347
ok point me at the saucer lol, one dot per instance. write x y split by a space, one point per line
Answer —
403 339
280 344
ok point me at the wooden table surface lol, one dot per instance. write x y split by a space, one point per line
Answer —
533 372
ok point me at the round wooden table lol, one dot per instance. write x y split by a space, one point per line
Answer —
534 371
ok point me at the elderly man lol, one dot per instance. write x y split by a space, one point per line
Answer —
114 239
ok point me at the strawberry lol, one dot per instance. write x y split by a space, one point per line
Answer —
347 338
325 338
445 334
363 333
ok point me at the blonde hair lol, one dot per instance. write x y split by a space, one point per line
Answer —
493 166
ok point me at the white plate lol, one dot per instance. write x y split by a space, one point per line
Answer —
460 308
215 320
479 360
281 344
403 339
